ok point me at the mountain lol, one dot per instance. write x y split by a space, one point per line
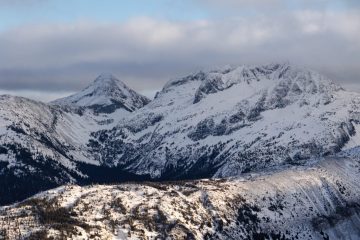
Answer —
105 95
226 122
212 124
277 147
320 201
45 145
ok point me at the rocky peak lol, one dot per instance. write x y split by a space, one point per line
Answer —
107 81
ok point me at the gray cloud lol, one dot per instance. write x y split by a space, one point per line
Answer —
146 52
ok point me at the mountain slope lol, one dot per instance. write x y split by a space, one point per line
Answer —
209 124
105 95
317 202
45 145
225 122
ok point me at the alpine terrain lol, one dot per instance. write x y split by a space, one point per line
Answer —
317 202
44 145
277 143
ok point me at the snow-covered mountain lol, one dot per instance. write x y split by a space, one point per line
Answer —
225 122
209 124
45 145
316 202
105 95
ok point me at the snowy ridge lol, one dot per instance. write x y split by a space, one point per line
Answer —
225 122
318 202
217 123
269 139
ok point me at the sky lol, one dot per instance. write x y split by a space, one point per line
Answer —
52 48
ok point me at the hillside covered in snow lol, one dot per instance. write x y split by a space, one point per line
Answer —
44 145
212 124
225 122
320 201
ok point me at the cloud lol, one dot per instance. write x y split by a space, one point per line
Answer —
146 52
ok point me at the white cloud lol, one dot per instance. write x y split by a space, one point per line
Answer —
152 32
345 24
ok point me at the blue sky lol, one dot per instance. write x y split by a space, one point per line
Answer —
60 11
51 48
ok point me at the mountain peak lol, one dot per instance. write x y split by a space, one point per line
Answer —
105 75
108 78
105 94
107 83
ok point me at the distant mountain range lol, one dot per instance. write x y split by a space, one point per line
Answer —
213 124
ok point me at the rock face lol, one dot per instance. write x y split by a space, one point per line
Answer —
105 95
209 124
315 202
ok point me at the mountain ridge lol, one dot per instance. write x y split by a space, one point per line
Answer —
218 123
174 127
